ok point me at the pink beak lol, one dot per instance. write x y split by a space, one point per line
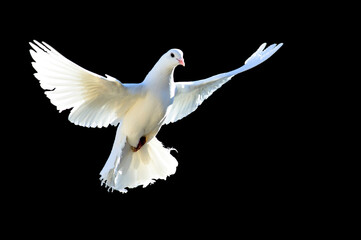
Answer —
181 62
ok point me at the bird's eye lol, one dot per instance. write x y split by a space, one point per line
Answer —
172 55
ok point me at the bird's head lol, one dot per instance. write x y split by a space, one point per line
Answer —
174 57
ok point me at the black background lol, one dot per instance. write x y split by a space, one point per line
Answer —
242 154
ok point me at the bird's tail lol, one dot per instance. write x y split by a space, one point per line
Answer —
127 169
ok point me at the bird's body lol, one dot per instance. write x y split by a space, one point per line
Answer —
146 116
139 110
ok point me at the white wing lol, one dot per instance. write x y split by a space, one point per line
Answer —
189 95
96 101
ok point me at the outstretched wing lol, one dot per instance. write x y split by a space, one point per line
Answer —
96 101
189 95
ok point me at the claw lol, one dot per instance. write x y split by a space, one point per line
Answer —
141 143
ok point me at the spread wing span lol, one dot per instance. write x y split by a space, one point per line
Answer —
95 101
189 95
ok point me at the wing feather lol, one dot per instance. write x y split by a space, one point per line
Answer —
95 101
189 95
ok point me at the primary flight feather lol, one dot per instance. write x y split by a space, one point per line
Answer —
139 110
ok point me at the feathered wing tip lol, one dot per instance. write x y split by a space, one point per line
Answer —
128 169
262 54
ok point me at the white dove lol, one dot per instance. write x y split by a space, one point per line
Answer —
139 110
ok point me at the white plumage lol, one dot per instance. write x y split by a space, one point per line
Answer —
139 110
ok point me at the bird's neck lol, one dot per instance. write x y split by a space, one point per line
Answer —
160 74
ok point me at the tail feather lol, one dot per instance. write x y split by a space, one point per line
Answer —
127 169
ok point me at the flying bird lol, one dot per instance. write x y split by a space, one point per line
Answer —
139 110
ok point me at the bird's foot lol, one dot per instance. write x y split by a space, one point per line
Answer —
141 143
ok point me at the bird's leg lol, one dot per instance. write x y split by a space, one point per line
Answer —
141 143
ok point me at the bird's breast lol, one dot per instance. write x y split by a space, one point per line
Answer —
145 117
